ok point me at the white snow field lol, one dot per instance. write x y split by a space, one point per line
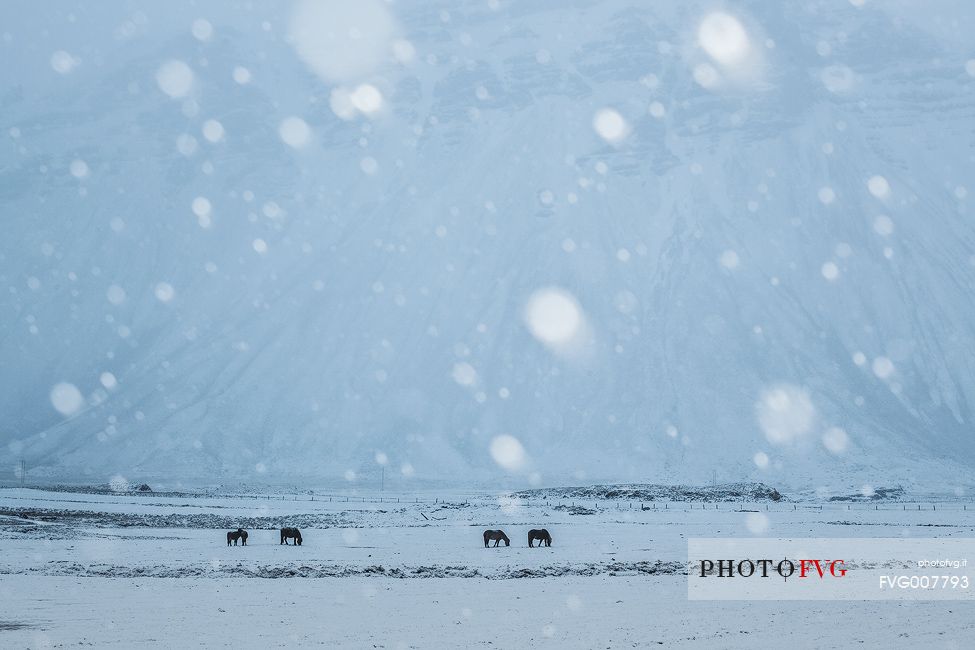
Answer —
125 570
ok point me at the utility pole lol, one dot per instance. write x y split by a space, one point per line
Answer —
23 472
714 478
382 479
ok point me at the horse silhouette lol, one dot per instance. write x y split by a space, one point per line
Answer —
290 533
541 535
240 534
498 536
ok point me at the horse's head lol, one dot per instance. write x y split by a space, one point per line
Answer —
507 542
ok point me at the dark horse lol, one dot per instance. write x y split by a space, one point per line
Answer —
498 536
240 534
541 535
293 533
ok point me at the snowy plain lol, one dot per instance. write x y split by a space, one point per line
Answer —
129 569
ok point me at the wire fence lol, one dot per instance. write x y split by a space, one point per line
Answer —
573 506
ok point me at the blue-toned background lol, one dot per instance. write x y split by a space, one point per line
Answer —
545 241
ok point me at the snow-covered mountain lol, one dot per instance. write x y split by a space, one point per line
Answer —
542 241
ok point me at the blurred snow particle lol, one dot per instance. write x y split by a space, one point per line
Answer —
406 469
242 75
623 255
657 110
568 245
340 101
705 75
756 522
626 301
66 398
504 393
260 468
403 51
259 245
186 144
164 292
879 187
729 259
63 62
201 29
115 294
830 271
883 225
349 475
883 367
859 358
108 380
724 39
382 458
201 207
837 78
272 210
118 483
464 374
823 48
826 195
213 131
835 440
79 168
574 603
761 460
175 78
506 450
785 413
548 630
610 125
970 67
342 41
369 165
867 490
295 132
367 99
671 431
554 316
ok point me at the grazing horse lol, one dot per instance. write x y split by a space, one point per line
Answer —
541 535
498 536
293 533
240 534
